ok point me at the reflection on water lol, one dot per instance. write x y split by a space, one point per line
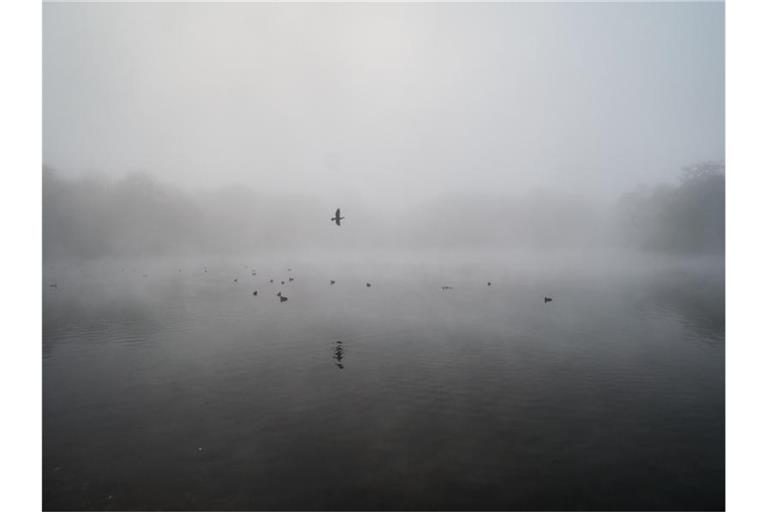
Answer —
182 391
338 354
699 303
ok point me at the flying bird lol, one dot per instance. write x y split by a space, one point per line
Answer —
338 217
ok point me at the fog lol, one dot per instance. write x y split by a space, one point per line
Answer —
198 128
521 309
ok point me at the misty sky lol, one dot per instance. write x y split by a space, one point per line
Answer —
385 101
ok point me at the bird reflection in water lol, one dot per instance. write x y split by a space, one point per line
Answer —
338 354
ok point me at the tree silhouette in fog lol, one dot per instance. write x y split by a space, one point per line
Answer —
90 217
688 217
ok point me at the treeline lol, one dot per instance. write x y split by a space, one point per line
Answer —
93 217
686 218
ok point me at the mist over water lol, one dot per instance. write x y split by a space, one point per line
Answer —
183 390
522 308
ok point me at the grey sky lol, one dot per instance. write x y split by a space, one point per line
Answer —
405 101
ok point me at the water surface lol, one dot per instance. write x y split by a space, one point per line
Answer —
168 385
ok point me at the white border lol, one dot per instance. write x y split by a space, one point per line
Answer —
20 162
746 186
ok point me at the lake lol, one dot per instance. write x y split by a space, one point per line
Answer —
168 385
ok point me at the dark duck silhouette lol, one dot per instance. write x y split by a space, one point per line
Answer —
255 292
367 285
489 283
333 282
290 279
446 288
53 285
337 218
547 299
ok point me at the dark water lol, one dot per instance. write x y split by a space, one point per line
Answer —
183 390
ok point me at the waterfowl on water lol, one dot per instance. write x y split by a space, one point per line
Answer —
547 299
